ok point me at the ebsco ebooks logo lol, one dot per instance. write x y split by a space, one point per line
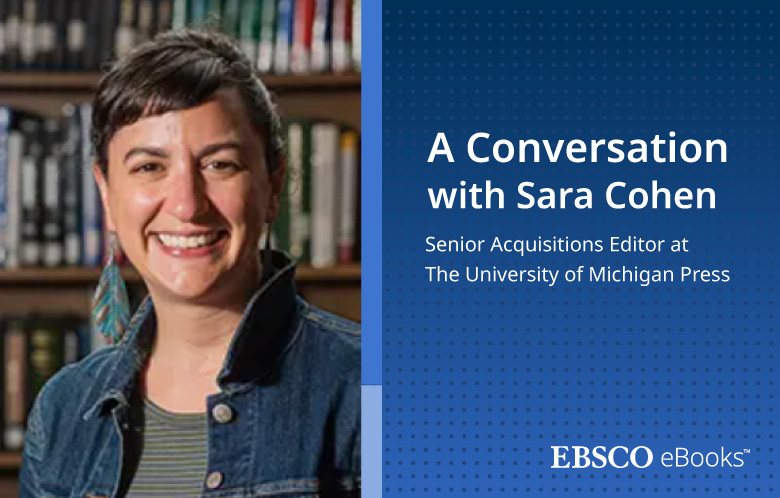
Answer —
641 457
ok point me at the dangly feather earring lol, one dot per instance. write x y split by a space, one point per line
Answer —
110 306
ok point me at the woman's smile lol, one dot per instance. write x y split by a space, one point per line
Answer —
191 244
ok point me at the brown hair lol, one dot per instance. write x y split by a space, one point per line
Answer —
179 70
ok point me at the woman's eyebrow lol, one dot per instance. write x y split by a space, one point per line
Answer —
216 147
149 151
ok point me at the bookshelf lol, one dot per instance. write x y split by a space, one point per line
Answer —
86 82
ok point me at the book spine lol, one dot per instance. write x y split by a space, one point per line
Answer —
249 29
125 34
347 229
321 35
30 250
198 12
284 32
298 192
13 227
13 26
71 187
45 350
60 35
265 49
164 16
15 351
27 32
91 50
70 340
108 22
52 195
357 29
230 17
45 35
302 36
324 181
3 50
144 17
180 14
214 12
342 30
5 130
92 228
76 35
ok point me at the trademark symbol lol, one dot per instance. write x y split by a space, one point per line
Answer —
745 450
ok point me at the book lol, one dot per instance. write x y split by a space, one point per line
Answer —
249 28
198 12
13 235
163 16
348 195
321 37
31 168
342 36
265 49
144 18
180 14
27 33
357 29
91 211
59 19
229 22
71 186
45 34
302 36
51 216
295 204
13 26
125 36
15 401
324 193
5 132
284 35
45 354
76 35
3 18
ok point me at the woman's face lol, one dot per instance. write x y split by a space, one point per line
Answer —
188 194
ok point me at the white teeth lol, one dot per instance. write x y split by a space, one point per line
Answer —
187 242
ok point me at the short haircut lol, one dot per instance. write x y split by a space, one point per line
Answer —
180 70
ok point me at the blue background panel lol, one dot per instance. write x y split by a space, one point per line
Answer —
481 379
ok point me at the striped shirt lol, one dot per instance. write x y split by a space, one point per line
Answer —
173 454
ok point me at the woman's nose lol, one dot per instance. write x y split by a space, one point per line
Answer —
186 195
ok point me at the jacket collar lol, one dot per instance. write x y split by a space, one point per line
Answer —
266 330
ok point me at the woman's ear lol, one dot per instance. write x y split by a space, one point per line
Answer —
276 178
102 183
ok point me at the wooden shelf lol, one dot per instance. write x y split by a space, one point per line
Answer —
10 460
86 82
88 276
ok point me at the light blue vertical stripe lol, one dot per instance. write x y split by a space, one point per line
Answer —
371 448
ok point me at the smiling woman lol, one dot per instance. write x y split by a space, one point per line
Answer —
224 378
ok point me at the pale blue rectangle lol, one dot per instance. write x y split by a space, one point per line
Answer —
371 447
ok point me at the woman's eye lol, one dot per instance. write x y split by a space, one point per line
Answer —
222 166
147 168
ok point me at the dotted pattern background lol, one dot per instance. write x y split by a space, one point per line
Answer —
480 380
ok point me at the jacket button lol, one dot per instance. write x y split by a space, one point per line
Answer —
214 480
222 413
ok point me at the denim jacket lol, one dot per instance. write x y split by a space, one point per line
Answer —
291 381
